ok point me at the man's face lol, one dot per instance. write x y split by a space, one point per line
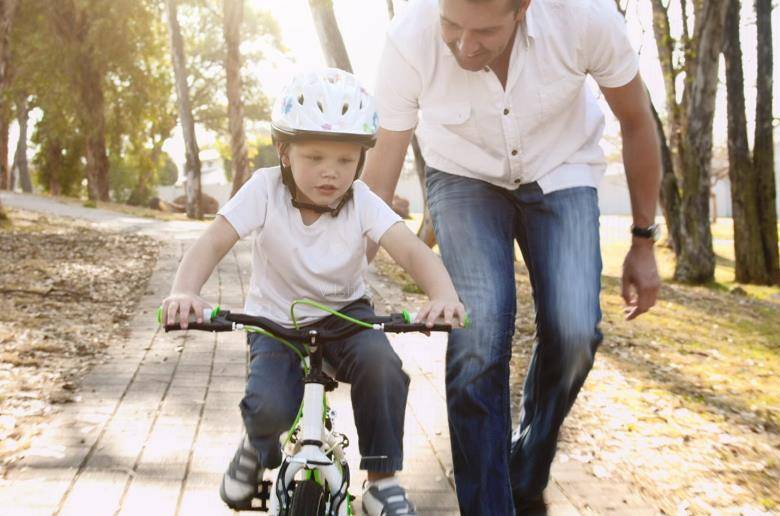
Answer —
478 32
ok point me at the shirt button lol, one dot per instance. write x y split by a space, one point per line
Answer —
517 181
487 69
514 152
506 111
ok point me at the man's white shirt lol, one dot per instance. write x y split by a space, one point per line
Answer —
544 126
323 261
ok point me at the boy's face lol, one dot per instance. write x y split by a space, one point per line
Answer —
323 170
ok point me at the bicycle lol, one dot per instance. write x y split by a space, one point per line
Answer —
313 478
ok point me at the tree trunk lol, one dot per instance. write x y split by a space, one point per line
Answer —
72 25
6 176
696 263
750 264
763 147
20 156
7 12
192 165
233 16
665 45
670 193
95 128
54 149
329 34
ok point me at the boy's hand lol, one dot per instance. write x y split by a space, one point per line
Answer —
450 312
181 304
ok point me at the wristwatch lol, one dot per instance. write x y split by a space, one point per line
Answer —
650 232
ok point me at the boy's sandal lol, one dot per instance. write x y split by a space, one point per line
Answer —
241 472
392 499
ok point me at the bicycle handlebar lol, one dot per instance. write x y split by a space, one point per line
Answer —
219 320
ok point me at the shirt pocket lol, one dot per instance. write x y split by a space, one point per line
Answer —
456 118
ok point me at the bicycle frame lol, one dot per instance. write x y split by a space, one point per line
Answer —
308 454
316 448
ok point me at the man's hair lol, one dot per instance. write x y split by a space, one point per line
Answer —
516 4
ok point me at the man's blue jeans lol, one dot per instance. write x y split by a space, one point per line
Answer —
476 225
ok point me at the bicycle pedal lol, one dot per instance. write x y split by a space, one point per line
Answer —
262 498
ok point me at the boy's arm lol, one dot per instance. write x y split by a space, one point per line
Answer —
196 267
427 270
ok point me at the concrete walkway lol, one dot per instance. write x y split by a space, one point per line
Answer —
158 421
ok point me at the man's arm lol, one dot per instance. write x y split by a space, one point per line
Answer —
385 161
641 149
383 167
642 161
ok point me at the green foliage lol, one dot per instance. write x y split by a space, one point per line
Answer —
126 41
263 154
201 22
168 173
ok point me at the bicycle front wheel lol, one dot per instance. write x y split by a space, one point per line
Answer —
309 499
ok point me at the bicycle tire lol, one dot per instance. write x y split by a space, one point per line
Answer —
309 499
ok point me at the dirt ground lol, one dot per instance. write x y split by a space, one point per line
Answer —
683 403
66 291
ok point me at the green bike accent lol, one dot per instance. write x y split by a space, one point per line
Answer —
215 312
324 309
408 319
255 329
159 315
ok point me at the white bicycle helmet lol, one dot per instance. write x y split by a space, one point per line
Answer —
325 104
328 104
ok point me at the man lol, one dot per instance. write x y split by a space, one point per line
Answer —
510 133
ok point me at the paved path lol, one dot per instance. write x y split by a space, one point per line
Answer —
158 421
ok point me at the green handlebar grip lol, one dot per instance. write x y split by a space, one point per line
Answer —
407 317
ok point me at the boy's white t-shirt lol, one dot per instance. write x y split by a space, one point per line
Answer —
324 261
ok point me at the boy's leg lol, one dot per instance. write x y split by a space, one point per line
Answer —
475 230
379 388
274 391
559 237
379 392
273 394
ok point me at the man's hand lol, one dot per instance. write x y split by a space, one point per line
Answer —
641 282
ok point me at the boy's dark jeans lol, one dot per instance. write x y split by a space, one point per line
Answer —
274 391
476 226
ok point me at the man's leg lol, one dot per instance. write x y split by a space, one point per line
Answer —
559 237
474 227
